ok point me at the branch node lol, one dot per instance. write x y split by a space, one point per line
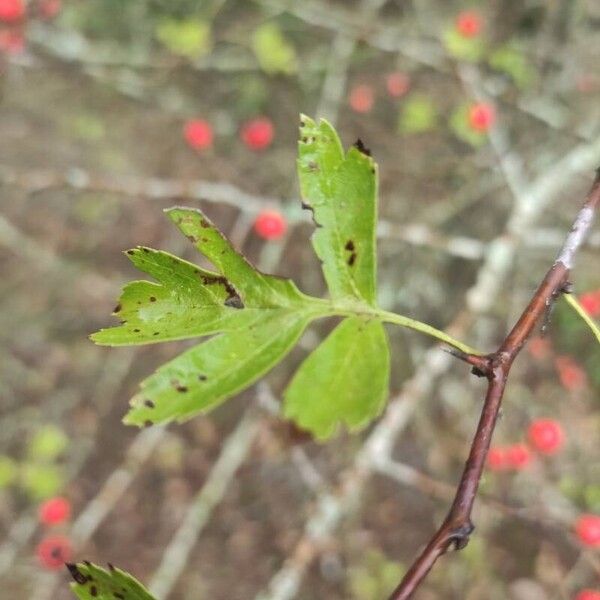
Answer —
567 287
459 537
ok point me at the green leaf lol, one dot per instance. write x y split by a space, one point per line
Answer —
187 302
459 123
341 191
513 61
95 583
47 443
189 37
255 288
463 48
209 373
273 52
255 319
9 471
343 381
41 481
417 115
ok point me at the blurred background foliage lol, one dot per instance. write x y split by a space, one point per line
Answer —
466 106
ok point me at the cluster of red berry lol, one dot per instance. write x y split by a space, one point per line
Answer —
571 376
257 134
55 549
545 436
362 96
13 15
481 115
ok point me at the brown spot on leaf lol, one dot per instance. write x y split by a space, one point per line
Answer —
136 331
192 239
361 147
149 403
351 259
204 223
349 245
148 423
181 388
76 574
93 591
117 308
233 299
130 252
202 377
152 299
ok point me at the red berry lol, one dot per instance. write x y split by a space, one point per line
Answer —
11 10
588 595
571 375
497 458
258 133
397 84
587 528
54 511
50 8
518 456
539 347
590 302
482 116
587 83
361 98
469 23
11 42
198 134
54 551
270 225
546 436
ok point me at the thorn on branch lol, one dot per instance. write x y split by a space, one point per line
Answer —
482 365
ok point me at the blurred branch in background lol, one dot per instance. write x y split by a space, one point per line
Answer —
94 102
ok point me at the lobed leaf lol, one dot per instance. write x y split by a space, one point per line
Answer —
256 289
95 583
344 381
206 375
341 190
187 302
256 318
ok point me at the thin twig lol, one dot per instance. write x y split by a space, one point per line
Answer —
457 527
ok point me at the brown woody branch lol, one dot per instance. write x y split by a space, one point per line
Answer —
457 527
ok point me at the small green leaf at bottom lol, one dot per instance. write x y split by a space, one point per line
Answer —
95 583
345 380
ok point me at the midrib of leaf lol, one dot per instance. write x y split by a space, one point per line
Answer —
340 257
